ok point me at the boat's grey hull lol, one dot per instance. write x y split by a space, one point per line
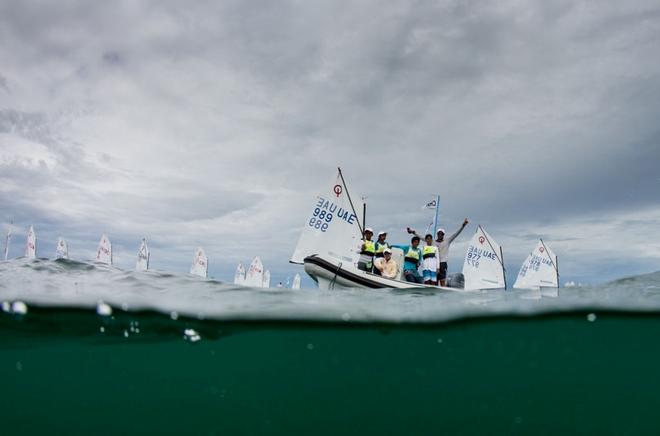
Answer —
333 274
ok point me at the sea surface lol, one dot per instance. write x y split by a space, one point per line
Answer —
91 349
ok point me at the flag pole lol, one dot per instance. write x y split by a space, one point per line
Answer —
435 220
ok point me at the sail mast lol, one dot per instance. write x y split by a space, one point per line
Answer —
348 195
551 259
437 213
503 269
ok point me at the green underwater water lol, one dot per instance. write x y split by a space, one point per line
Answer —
559 373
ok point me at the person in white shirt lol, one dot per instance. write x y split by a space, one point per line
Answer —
386 265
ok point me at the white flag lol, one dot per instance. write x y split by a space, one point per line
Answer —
430 205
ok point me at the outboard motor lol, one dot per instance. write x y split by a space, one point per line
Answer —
456 280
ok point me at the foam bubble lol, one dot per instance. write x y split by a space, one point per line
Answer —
19 307
103 309
191 335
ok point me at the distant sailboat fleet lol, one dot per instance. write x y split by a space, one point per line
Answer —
254 277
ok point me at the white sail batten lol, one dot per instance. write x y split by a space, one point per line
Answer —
266 282
332 227
104 251
483 267
254 276
200 264
143 256
239 275
539 269
296 282
62 250
31 244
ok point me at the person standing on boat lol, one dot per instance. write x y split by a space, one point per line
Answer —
443 249
381 246
412 257
386 266
367 251
430 261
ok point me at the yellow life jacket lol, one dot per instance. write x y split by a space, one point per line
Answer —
428 251
412 255
369 248
381 248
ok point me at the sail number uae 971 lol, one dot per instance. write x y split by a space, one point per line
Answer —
324 213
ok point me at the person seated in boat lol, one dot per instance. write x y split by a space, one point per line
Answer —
430 261
367 251
381 246
413 255
386 266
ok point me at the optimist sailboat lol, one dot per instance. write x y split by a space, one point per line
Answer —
62 250
7 239
31 244
266 282
239 276
254 277
329 240
296 282
104 251
200 265
539 269
143 255
484 265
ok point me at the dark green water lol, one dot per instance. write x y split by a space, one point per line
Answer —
542 375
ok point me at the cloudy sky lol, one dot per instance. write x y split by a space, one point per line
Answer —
214 123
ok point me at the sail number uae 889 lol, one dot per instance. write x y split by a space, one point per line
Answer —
320 219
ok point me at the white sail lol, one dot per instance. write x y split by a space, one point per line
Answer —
266 282
31 244
104 251
200 265
539 269
254 276
296 282
62 250
7 240
332 227
143 255
483 267
239 276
